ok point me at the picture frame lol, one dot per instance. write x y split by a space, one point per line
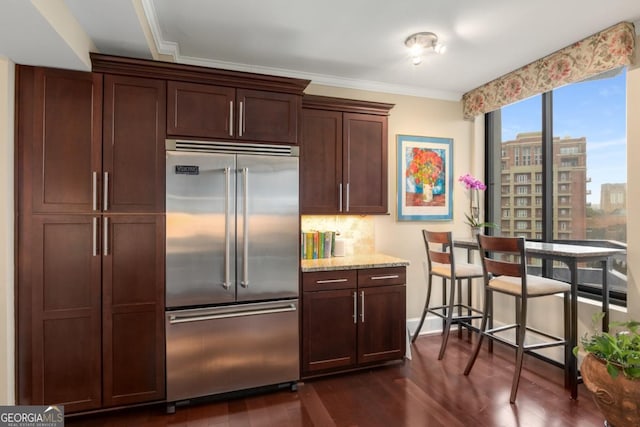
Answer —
425 178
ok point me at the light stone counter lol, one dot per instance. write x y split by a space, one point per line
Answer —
352 262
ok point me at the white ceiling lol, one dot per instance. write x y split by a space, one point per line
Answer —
346 43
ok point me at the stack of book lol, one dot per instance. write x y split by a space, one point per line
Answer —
317 244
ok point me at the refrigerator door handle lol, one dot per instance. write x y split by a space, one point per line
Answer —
245 229
176 318
227 230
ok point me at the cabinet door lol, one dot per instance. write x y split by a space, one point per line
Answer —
133 144
64 307
321 162
268 116
198 110
329 331
59 138
382 324
365 160
133 309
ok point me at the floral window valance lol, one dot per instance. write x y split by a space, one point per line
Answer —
608 49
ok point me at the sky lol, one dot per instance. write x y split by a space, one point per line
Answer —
595 109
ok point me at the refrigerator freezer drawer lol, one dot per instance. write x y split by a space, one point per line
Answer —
222 349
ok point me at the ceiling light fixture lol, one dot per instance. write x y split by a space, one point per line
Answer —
419 43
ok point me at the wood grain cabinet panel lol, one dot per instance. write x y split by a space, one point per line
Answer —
352 319
64 311
90 324
198 110
343 156
61 123
133 309
221 112
134 144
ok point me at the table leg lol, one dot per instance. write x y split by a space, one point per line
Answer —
570 362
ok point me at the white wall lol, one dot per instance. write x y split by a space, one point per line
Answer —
7 396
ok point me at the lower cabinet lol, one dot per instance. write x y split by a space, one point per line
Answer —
352 318
90 310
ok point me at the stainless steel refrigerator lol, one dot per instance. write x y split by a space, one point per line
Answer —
232 267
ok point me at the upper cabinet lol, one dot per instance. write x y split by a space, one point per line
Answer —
133 144
220 112
90 152
60 114
209 103
343 158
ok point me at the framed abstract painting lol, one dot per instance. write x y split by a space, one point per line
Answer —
425 178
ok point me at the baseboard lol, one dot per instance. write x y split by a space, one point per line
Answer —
431 325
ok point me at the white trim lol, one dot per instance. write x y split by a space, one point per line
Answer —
163 47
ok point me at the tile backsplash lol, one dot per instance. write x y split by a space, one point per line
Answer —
357 231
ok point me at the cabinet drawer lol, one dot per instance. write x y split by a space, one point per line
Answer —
326 280
382 276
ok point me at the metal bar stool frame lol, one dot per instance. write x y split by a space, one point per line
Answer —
510 278
441 263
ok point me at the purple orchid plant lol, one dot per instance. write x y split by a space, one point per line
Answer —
475 185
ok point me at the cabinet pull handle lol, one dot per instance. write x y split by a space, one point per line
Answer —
347 210
362 306
230 118
390 276
105 236
340 198
94 189
331 281
106 192
94 227
227 239
241 120
355 308
245 229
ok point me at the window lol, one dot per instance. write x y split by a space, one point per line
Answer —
580 193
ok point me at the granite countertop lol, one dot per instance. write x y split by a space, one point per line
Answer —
352 262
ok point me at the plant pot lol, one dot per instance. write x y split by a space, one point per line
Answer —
617 398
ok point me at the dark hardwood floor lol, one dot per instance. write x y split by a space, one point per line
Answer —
419 392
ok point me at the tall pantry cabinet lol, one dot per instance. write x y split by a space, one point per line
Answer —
90 241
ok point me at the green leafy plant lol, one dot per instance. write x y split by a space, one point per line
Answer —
619 350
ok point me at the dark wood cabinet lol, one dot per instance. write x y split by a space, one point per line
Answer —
133 309
382 332
90 221
133 144
343 159
352 318
60 115
90 279
60 294
221 112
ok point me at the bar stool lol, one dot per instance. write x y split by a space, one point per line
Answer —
504 262
441 263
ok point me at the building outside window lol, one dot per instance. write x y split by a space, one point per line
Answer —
585 194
